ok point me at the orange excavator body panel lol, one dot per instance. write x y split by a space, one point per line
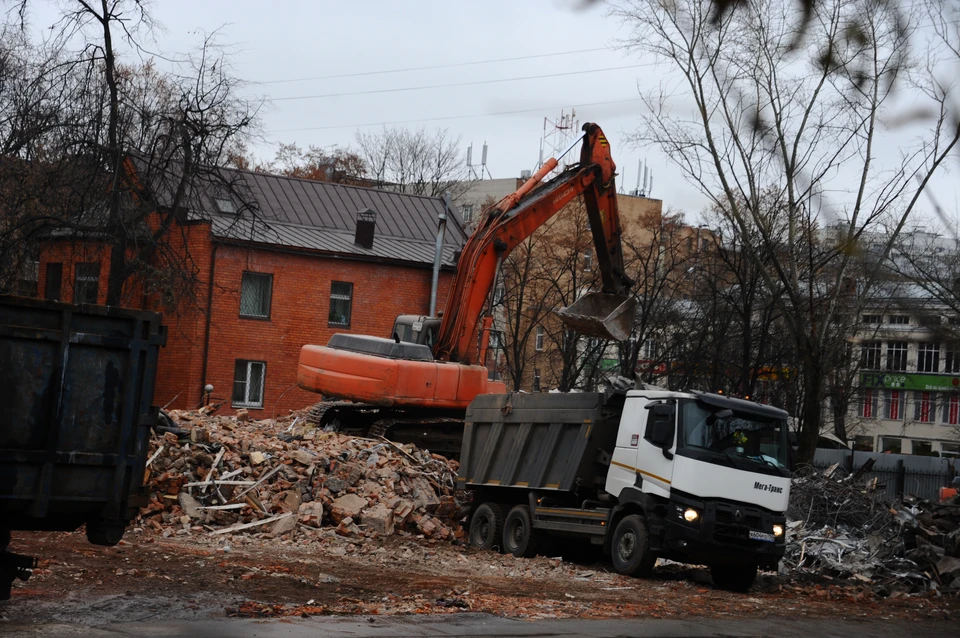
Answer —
387 382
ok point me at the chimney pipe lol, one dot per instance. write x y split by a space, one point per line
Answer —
366 225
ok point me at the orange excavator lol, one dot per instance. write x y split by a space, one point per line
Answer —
429 371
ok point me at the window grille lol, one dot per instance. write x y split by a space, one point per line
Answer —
86 286
341 301
256 290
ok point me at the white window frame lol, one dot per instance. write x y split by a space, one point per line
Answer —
538 341
901 348
931 404
341 297
928 356
248 401
950 406
890 398
874 350
951 360
869 403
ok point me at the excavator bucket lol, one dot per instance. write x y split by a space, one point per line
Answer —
602 315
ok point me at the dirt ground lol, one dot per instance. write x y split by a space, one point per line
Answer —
249 576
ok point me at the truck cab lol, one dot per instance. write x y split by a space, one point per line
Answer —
694 477
710 470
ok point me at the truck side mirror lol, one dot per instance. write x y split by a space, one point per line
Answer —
661 426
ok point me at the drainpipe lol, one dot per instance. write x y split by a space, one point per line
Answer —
438 255
206 335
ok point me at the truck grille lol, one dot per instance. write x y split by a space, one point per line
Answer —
731 527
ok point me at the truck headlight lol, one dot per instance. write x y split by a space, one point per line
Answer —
690 515
777 530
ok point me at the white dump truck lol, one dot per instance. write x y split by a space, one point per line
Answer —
693 477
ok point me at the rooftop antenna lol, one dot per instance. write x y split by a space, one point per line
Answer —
558 136
470 169
636 191
483 162
646 188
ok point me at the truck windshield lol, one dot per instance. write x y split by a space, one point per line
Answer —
742 439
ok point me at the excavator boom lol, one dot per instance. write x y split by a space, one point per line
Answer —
513 219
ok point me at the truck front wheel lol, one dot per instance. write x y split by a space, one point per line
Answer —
630 547
486 526
518 535
733 577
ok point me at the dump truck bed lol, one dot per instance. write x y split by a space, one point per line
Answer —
76 388
539 441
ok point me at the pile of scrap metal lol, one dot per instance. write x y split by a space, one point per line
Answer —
840 525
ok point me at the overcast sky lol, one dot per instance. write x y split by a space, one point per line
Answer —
279 40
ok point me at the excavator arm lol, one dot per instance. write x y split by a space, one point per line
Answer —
512 220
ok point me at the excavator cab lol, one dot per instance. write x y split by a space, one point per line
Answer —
416 329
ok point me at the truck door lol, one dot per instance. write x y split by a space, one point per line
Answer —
623 464
658 442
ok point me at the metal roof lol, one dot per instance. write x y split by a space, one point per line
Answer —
304 214
310 215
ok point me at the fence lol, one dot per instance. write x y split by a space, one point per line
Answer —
897 474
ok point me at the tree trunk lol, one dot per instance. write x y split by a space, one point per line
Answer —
812 410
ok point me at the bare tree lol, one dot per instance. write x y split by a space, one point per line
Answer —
416 162
526 302
659 251
132 148
765 120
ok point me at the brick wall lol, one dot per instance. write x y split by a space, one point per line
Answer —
299 313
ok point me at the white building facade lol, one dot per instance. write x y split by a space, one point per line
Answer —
909 384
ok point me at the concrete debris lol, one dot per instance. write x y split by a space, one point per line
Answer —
839 526
284 478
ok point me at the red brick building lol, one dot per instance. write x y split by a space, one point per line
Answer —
313 259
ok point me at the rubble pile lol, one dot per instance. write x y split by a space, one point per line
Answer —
840 526
283 477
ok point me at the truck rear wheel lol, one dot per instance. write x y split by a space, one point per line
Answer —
734 577
486 526
519 538
106 533
630 547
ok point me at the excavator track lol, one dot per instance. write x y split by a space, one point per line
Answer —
439 434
